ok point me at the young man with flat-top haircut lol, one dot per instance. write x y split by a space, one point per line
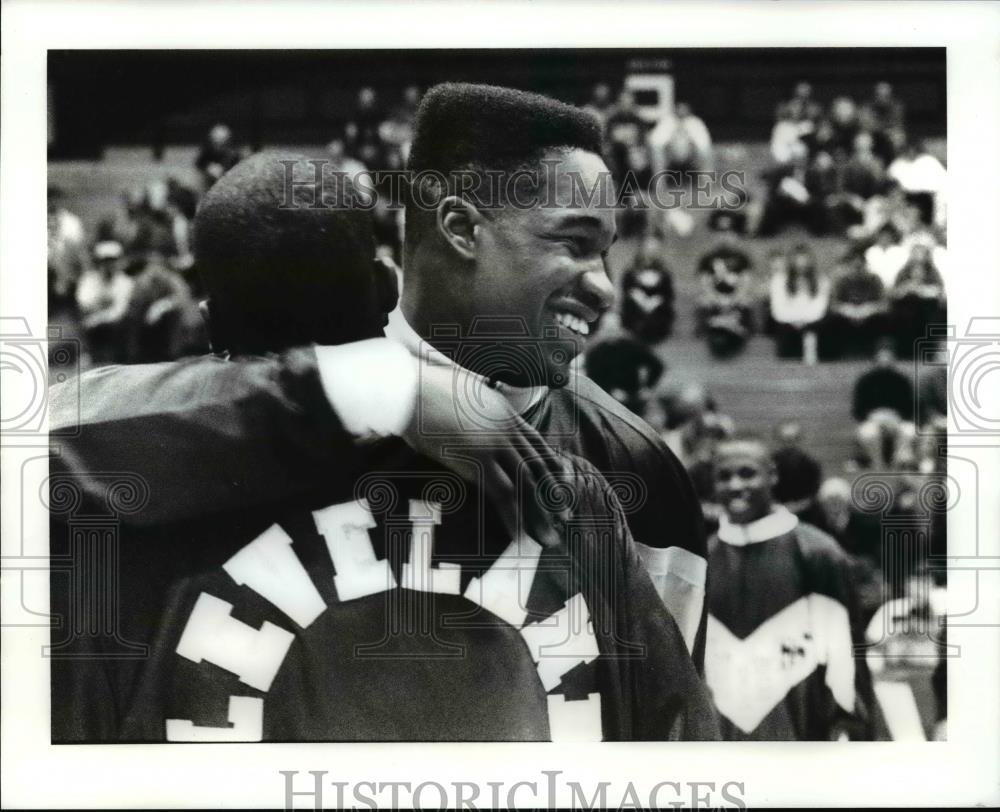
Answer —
499 292
534 260
783 617
376 597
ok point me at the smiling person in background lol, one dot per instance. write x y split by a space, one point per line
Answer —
782 615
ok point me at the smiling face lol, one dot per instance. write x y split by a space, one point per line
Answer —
744 478
547 265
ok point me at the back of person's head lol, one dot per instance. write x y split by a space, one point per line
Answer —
479 128
288 259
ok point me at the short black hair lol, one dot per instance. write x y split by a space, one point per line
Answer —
483 127
285 263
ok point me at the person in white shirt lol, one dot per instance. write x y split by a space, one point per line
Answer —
103 295
886 257
799 299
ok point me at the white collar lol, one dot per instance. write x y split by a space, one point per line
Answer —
522 398
777 523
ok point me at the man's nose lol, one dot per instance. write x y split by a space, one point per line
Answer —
597 285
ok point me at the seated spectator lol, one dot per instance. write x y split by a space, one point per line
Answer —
396 131
860 536
102 295
886 443
217 155
726 297
626 135
361 133
158 226
680 143
184 199
922 177
787 145
802 106
736 217
67 253
601 104
886 115
799 299
788 199
864 172
648 293
883 386
684 407
835 207
886 257
917 300
858 312
844 121
625 368
163 321
799 473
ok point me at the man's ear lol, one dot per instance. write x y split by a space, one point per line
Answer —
456 222
386 285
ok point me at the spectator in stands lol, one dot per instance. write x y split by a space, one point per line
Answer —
864 172
67 252
922 177
726 298
886 443
159 226
860 535
685 407
844 120
648 293
183 198
799 472
834 206
601 104
396 131
625 368
217 155
802 106
886 257
788 198
102 296
858 311
799 299
883 386
886 115
786 136
163 321
681 144
626 135
917 299
361 133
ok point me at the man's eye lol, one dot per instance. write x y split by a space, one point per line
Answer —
577 247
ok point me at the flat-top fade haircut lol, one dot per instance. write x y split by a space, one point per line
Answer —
462 127
279 270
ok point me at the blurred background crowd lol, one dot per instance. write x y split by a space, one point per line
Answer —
799 309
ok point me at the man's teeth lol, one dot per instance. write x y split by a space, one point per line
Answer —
574 323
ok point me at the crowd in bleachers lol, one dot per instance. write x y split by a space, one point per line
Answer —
845 174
